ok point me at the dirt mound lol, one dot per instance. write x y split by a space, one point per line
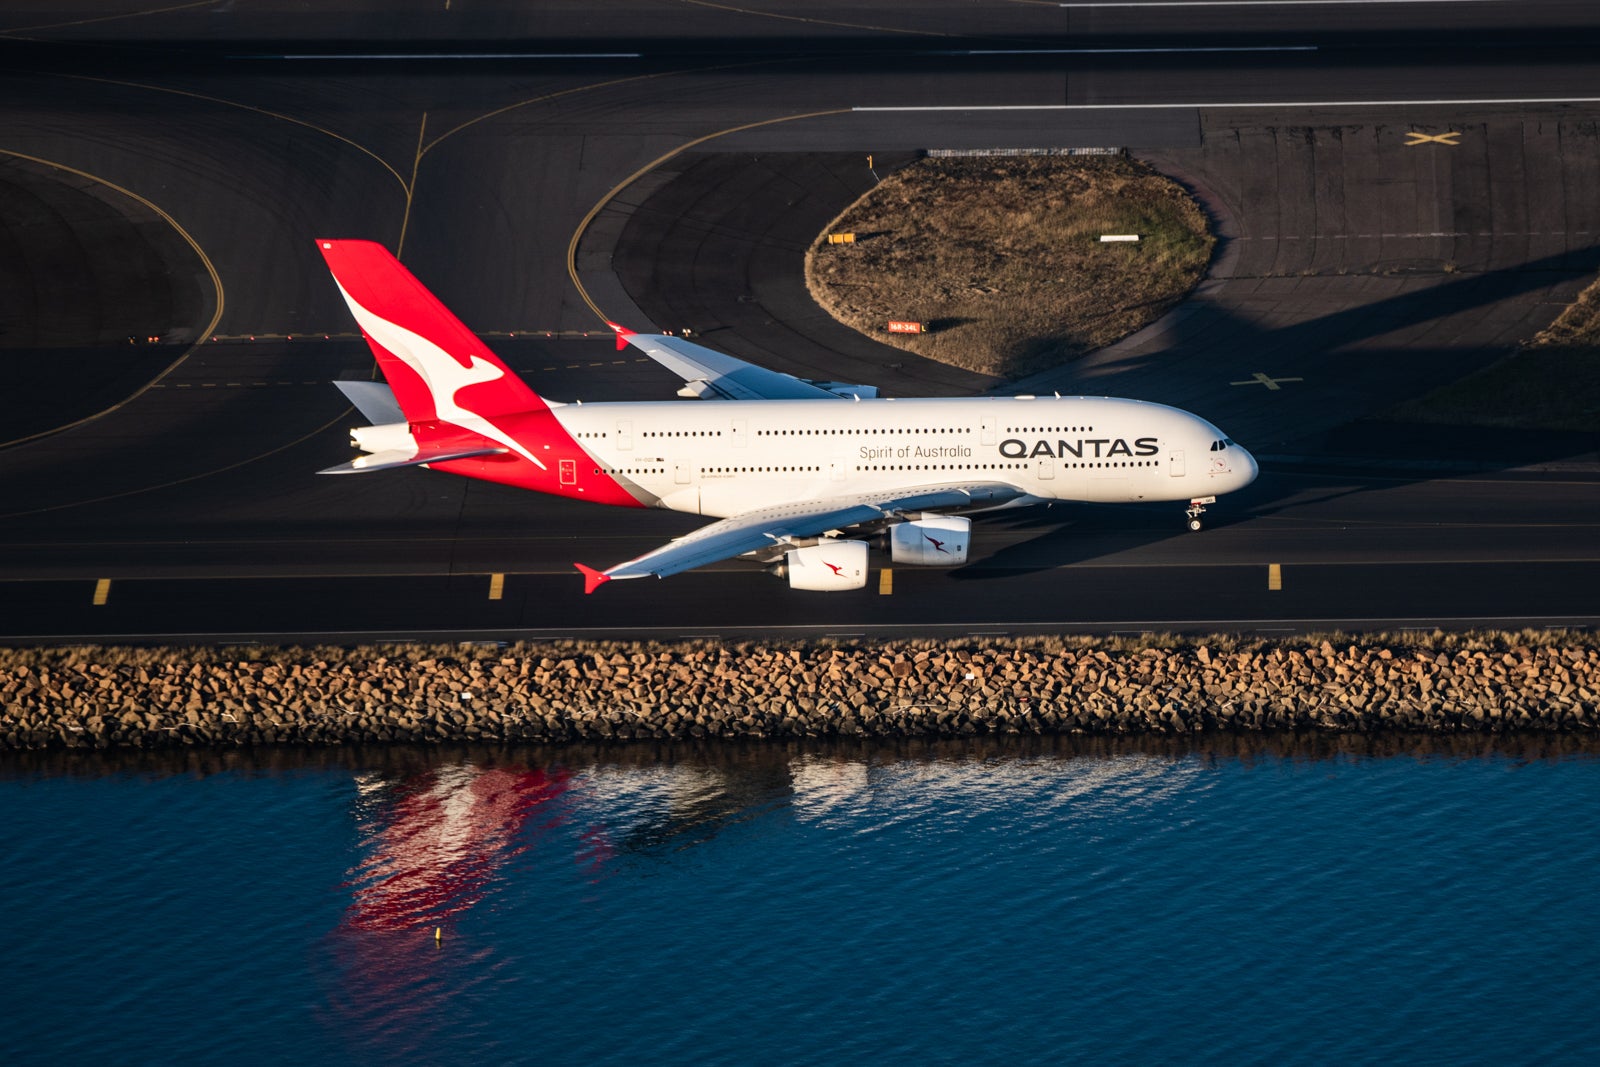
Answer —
1001 258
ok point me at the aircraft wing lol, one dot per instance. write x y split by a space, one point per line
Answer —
712 375
767 527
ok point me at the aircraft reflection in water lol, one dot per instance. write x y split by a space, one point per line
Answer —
434 842
670 807
868 795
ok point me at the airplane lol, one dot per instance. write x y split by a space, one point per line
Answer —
803 476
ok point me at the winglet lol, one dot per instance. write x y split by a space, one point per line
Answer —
592 579
623 333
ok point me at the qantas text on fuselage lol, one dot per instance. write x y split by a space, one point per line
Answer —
804 476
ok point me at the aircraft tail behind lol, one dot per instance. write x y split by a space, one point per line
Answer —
439 370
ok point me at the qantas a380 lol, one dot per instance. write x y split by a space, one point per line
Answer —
805 476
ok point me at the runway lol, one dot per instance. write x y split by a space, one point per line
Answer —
1360 265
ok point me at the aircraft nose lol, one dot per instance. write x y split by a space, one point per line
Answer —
1249 467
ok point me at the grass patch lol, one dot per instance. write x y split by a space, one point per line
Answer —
1549 383
1001 258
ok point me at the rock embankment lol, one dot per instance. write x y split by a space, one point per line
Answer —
101 698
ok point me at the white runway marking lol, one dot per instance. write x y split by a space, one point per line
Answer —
1235 104
1122 51
448 55
1270 3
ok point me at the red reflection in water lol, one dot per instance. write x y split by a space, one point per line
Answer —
433 844
438 839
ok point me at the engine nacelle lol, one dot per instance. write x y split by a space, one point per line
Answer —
931 541
826 567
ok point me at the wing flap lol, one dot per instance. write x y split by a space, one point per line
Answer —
766 527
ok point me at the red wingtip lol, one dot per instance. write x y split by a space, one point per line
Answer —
622 332
592 579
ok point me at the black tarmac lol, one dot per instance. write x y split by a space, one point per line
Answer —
1377 242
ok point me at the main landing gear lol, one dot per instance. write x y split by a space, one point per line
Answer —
1196 509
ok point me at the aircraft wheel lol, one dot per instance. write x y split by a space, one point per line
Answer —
1195 524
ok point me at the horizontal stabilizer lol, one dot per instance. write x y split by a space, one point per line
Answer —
375 400
382 461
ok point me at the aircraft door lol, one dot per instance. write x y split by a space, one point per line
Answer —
740 432
1175 464
989 426
569 472
680 474
624 433
1045 469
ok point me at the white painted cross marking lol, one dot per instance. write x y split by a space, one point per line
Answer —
1261 379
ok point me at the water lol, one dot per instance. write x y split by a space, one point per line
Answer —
1225 902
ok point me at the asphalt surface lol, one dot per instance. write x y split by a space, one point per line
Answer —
1364 260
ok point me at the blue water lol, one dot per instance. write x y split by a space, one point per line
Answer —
1219 903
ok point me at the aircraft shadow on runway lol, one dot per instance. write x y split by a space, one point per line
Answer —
1354 362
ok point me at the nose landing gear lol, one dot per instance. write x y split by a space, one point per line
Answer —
1196 509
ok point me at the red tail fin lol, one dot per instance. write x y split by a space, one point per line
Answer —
437 367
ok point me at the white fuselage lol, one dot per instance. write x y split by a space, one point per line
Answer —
723 458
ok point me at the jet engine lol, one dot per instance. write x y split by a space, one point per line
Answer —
930 541
825 567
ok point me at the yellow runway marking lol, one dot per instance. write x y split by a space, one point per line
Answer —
411 188
216 281
497 586
446 135
1274 577
583 224
324 428
107 18
363 149
102 592
886 582
815 21
1414 138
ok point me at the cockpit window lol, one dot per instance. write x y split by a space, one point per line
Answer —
1220 446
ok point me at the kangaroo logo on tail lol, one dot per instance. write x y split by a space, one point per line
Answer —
410 331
